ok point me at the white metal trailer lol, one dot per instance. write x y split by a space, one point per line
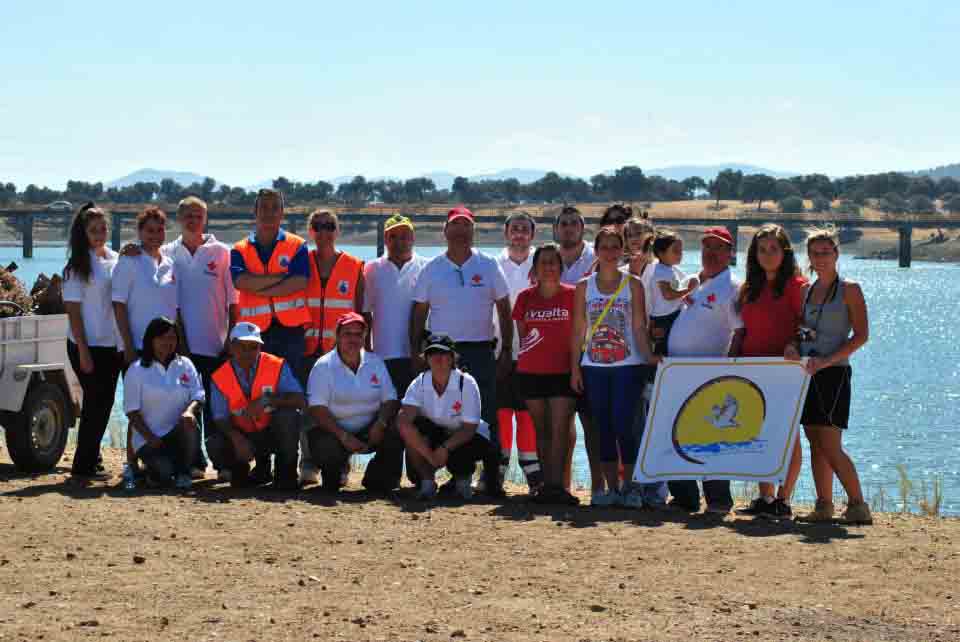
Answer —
40 395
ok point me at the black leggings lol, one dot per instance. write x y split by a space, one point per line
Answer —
99 388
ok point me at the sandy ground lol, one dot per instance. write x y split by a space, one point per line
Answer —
218 564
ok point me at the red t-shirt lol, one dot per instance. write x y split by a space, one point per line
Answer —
549 322
771 323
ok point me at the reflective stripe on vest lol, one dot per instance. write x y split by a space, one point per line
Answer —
290 310
328 304
265 380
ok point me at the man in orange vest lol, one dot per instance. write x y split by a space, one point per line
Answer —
255 401
334 290
270 270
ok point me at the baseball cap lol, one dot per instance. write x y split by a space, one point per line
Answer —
439 343
397 220
459 212
351 317
719 233
246 331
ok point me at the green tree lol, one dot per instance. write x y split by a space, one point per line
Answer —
628 184
757 187
600 186
8 193
461 188
791 205
921 204
726 185
692 185
952 204
170 191
284 185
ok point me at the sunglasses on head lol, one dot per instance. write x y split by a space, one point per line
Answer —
327 226
614 220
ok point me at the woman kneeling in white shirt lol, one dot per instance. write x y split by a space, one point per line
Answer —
162 394
440 422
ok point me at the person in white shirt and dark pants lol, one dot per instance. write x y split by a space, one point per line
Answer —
440 422
353 403
162 395
92 340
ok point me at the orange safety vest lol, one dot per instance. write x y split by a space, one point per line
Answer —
290 310
328 304
265 380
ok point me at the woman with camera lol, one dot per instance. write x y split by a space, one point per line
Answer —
771 304
835 325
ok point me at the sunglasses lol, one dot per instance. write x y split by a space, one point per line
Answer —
328 226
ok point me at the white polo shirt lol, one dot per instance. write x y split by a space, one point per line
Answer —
388 296
94 297
706 325
461 298
518 278
205 292
160 394
456 406
148 288
578 269
352 397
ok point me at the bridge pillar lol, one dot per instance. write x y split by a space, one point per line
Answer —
906 248
26 222
116 230
734 229
380 241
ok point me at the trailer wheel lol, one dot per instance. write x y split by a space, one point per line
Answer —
37 435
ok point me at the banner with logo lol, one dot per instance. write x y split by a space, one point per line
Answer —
722 419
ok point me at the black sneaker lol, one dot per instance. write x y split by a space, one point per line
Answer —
780 509
757 507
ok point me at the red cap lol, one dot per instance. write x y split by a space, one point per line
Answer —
721 233
351 317
459 212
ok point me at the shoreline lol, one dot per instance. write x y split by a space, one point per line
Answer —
229 564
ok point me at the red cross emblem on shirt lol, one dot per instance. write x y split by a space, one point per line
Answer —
184 378
212 265
457 406
477 278
374 379
712 298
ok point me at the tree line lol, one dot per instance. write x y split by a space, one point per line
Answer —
892 192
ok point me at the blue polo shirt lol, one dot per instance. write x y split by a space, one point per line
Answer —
219 406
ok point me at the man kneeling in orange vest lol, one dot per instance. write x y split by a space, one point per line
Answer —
255 402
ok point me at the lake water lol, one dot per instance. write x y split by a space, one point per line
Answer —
906 399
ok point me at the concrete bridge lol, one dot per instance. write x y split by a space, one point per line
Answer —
121 220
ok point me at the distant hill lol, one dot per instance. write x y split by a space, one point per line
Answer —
155 176
709 172
943 171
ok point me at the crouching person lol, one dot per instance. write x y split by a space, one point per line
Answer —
353 403
255 401
440 422
162 394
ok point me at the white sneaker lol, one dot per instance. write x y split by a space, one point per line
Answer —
309 474
464 487
183 481
197 473
428 489
604 498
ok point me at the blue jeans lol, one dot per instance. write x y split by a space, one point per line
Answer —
613 394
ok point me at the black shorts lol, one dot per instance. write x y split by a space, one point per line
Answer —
543 386
828 398
507 394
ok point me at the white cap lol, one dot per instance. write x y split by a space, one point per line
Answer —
246 331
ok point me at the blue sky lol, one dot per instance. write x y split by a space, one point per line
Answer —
248 91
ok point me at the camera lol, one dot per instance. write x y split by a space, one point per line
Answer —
806 335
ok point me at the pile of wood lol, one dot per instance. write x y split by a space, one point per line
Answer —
45 297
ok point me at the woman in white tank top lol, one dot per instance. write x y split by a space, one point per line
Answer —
612 336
